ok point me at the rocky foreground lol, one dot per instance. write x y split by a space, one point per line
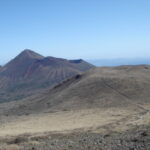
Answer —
135 139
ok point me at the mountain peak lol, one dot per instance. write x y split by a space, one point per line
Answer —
29 53
25 58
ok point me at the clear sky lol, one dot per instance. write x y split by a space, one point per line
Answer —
88 29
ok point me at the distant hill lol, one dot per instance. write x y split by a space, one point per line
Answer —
30 73
106 87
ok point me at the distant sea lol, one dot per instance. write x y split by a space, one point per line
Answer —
120 61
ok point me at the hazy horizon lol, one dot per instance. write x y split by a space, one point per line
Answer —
102 61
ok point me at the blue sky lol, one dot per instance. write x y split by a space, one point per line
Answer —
88 29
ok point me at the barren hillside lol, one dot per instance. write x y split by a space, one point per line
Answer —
109 106
98 88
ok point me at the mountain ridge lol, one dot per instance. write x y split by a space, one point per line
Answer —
31 71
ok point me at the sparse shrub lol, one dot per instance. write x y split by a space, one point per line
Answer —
78 76
144 134
18 140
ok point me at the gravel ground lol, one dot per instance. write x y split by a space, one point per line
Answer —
135 139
